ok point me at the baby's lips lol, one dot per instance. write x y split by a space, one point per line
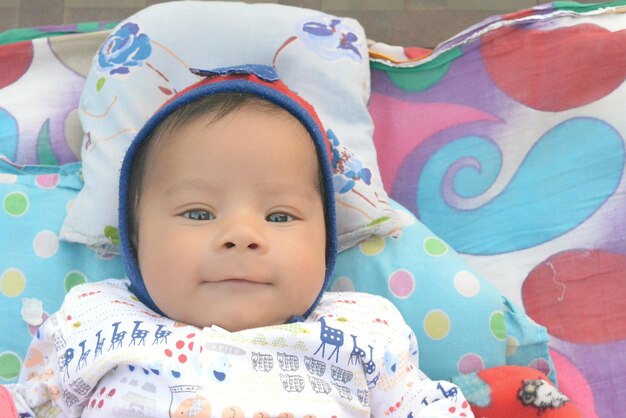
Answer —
236 278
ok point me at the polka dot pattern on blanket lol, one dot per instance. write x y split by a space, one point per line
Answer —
446 303
37 269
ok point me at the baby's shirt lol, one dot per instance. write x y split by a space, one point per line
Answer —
104 354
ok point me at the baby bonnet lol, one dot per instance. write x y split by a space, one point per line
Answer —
258 80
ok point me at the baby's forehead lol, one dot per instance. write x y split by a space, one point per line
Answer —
191 120
249 113
213 108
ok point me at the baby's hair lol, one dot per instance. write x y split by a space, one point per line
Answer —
214 107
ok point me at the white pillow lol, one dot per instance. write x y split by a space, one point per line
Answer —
147 58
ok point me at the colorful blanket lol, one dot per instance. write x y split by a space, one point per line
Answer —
506 140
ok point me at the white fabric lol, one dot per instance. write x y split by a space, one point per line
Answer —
105 354
147 58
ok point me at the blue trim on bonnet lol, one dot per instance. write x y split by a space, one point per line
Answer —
263 72
227 86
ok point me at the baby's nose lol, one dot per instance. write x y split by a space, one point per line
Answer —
252 245
243 235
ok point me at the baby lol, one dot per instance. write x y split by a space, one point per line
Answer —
227 229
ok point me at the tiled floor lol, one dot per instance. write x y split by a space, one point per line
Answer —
397 22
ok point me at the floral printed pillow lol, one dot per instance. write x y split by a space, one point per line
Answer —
147 59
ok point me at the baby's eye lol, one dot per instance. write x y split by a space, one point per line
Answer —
279 217
198 215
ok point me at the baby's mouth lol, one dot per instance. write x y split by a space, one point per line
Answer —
238 281
238 275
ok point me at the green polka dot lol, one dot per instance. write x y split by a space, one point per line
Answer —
437 324
12 283
435 247
10 365
74 278
15 204
497 325
113 234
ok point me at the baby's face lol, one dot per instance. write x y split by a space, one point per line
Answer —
231 223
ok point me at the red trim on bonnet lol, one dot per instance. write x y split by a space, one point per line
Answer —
275 85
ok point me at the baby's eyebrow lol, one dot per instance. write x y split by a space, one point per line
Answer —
189 184
274 189
284 189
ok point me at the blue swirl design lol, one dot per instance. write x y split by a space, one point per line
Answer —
566 177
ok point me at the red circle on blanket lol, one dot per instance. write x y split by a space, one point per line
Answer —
15 59
556 69
579 296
